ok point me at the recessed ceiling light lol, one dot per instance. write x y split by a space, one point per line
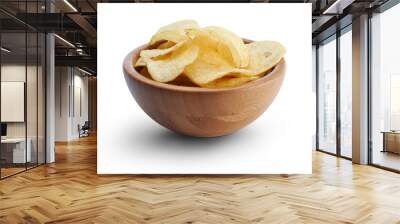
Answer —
70 5
65 41
337 7
5 50
84 71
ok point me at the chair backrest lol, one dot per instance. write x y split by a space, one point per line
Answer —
86 124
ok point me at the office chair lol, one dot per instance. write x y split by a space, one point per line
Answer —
84 130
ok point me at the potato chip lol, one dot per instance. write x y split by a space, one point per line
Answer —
170 66
209 65
184 54
159 52
166 45
182 80
145 72
230 46
152 53
264 55
230 81
174 32
140 62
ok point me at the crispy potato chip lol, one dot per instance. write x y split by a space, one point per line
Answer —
170 66
184 54
230 46
182 80
161 45
140 62
174 32
159 52
230 81
145 72
166 45
264 55
209 65
153 53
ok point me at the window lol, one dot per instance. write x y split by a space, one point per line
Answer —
346 75
327 96
385 89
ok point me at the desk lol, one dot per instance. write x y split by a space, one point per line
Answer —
16 153
391 141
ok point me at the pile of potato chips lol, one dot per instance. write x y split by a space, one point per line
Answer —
182 53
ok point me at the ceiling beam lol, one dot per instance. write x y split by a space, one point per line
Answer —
320 22
83 61
337 7
48 22
84 24
332 29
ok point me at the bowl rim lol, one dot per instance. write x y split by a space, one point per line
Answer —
132 57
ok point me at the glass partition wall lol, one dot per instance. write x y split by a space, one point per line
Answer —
385 90
22 77
334 75
13 89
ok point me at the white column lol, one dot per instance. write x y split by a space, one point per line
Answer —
360 90
50 92
50 99
63 100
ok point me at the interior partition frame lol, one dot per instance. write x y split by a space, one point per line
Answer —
44 76
338 34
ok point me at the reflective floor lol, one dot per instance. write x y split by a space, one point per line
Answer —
387 159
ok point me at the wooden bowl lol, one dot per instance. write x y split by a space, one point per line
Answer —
202 112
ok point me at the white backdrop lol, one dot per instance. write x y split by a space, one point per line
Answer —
280 141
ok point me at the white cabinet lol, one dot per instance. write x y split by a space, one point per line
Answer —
18 149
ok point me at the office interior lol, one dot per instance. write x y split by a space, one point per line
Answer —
48 82
49 99
336 67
